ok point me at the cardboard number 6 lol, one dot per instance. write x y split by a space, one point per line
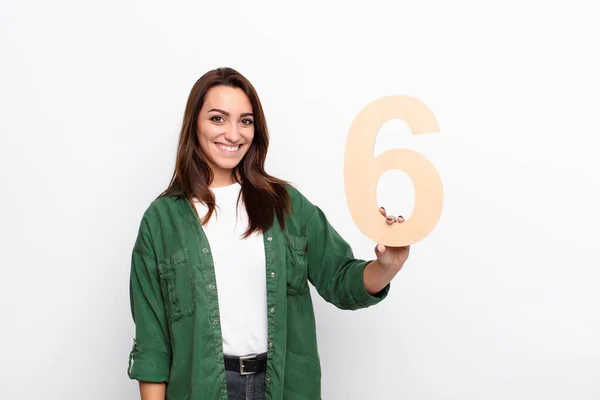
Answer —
362 172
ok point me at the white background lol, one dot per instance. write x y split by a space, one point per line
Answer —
499 302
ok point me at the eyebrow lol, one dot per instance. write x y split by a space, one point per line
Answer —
227 114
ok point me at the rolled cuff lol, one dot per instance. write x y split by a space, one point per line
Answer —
362 298
149 366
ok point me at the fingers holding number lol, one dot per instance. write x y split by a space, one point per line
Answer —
390 219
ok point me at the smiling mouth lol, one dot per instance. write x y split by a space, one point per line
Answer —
229 149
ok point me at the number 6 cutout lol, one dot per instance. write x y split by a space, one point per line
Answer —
362 172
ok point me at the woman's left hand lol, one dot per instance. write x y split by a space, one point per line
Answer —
391 257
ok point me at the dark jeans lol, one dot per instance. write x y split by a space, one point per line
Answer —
246 387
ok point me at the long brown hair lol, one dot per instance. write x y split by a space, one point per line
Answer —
264 196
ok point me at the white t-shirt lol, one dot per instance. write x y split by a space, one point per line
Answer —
240 272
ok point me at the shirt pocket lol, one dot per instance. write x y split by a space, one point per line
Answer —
297 264
177 285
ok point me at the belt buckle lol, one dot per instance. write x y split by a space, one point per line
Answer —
242 359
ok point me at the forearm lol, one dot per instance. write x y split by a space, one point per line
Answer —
377 277
153 391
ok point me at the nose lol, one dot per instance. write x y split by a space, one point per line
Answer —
232 134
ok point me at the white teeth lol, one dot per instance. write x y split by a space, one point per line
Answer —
228 148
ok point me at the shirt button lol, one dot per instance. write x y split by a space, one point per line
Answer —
211 286
216 322
272 274
270 239
270 344
268 379
205 250
272 309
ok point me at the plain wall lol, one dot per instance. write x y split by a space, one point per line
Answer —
499 301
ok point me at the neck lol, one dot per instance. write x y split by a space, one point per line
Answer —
221 178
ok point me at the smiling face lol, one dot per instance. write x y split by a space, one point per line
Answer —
225 130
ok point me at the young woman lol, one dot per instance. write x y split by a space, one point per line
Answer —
221 264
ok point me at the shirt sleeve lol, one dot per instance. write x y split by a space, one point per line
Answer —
150 357
332 268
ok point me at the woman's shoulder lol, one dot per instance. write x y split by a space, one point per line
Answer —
163 214
163 208
302 207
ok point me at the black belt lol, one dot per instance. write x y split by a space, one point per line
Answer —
247 364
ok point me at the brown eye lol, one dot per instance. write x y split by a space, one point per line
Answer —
216 118
247 122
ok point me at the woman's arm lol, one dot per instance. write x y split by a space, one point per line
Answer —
153 391
377 276
341 279
150 358
332 268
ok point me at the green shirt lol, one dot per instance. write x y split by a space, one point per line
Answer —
174 302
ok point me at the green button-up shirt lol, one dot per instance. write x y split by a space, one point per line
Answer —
174 300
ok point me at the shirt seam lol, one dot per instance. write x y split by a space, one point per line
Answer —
309 219
144 256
